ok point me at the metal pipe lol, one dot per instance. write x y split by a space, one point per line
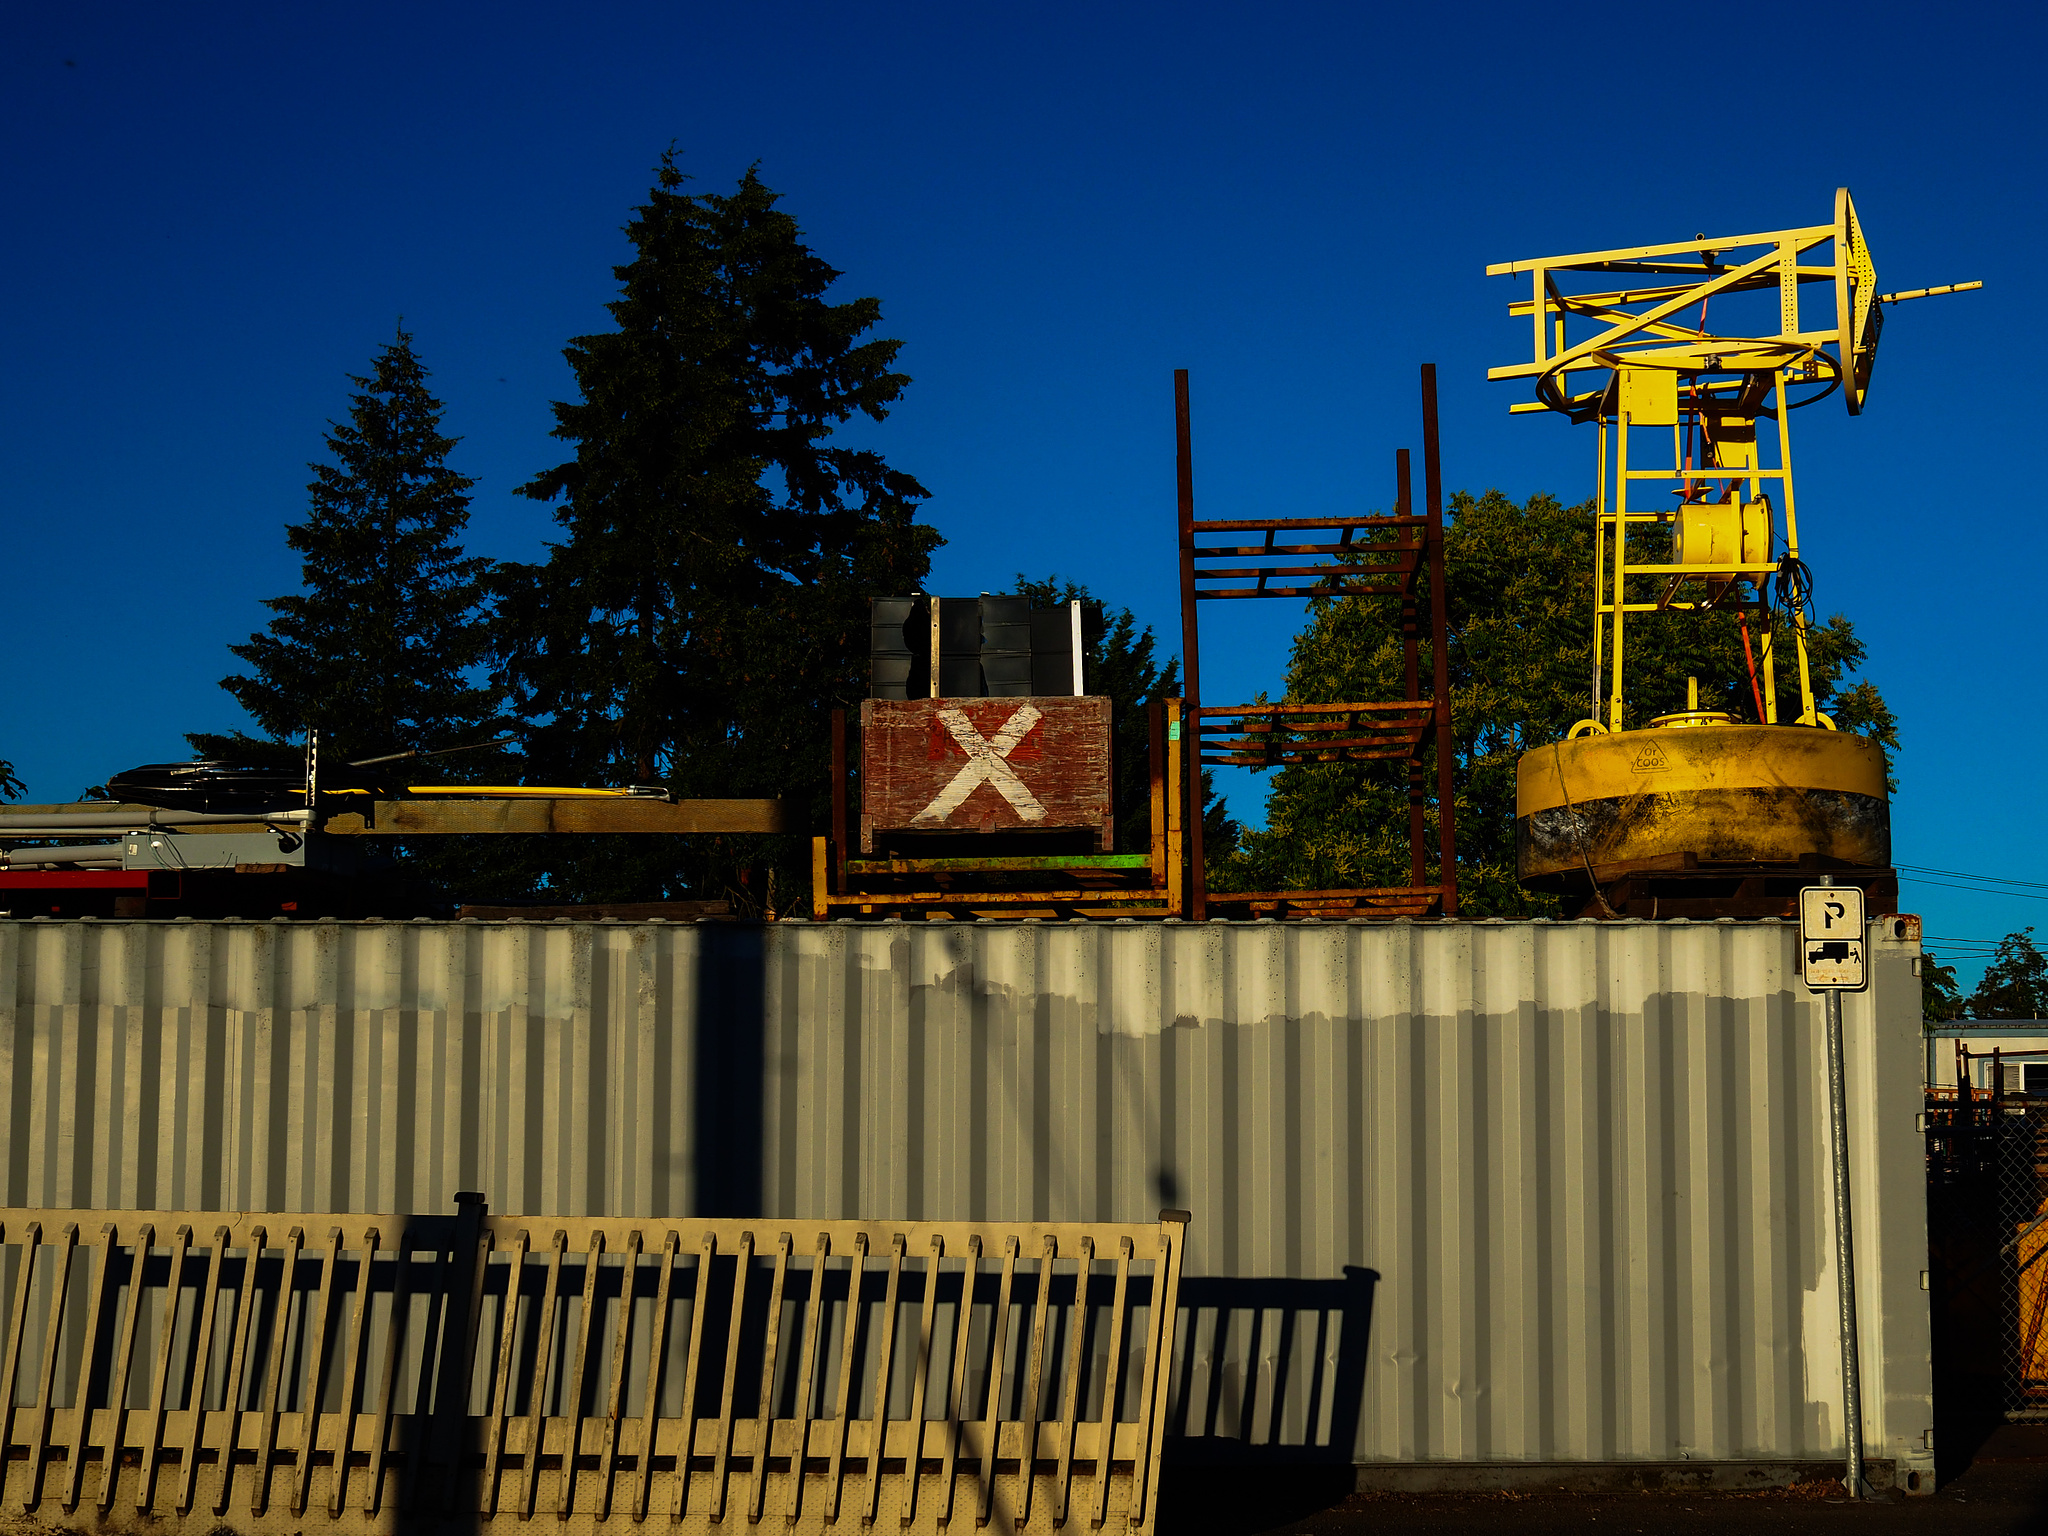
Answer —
1927 293
100 855
1439 628
1845 1244
1411 676
44 825
1190 647
43 831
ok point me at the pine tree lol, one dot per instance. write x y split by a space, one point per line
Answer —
708 605
380 650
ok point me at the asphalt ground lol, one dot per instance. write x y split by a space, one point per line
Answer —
2001 1487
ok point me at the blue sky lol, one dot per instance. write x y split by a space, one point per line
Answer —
215 214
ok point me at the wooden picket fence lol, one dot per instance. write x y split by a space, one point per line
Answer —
194 1370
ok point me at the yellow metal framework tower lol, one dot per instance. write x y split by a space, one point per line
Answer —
1695 512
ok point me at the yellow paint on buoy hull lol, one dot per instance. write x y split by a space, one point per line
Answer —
1738 794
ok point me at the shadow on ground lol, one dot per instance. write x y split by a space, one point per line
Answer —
2002 1488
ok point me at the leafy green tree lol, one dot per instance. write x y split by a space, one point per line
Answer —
1122 666
707 605
2015 984
1520 663
381 648
1941 998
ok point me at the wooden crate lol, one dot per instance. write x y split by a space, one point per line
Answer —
986 765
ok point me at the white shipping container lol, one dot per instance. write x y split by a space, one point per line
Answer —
1464 1193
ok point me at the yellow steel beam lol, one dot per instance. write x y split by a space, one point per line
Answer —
438 817
1589 353
1578 303
1636 323
1812 233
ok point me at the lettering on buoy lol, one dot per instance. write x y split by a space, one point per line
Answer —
1649 758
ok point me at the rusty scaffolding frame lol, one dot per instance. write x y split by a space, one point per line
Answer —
1349 555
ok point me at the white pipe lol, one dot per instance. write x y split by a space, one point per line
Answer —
110 821
99 856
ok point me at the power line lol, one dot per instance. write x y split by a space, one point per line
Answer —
1948 885
1957 874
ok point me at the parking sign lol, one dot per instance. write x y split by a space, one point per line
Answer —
1831 937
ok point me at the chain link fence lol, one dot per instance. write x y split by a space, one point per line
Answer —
1987 1221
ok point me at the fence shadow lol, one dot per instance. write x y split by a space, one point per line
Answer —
1268 1381
726 1150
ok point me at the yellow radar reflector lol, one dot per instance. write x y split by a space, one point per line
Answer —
1858 317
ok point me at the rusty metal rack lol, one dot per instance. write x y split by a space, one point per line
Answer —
1013 883
1341 556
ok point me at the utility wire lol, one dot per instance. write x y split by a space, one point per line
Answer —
1956 874
1980 890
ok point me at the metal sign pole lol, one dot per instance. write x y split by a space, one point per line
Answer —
1839 962
1845 1248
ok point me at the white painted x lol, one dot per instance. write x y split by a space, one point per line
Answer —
986 764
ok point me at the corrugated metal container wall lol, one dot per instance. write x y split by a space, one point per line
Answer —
1462 1191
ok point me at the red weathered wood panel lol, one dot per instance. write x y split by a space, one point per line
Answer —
984 765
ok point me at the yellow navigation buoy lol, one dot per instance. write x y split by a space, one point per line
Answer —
1702 813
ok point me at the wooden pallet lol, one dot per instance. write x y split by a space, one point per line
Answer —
1009 885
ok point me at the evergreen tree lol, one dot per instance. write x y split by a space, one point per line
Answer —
1121 666
1519 629
1941 998
708 605
381 648
11 788
2015 984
